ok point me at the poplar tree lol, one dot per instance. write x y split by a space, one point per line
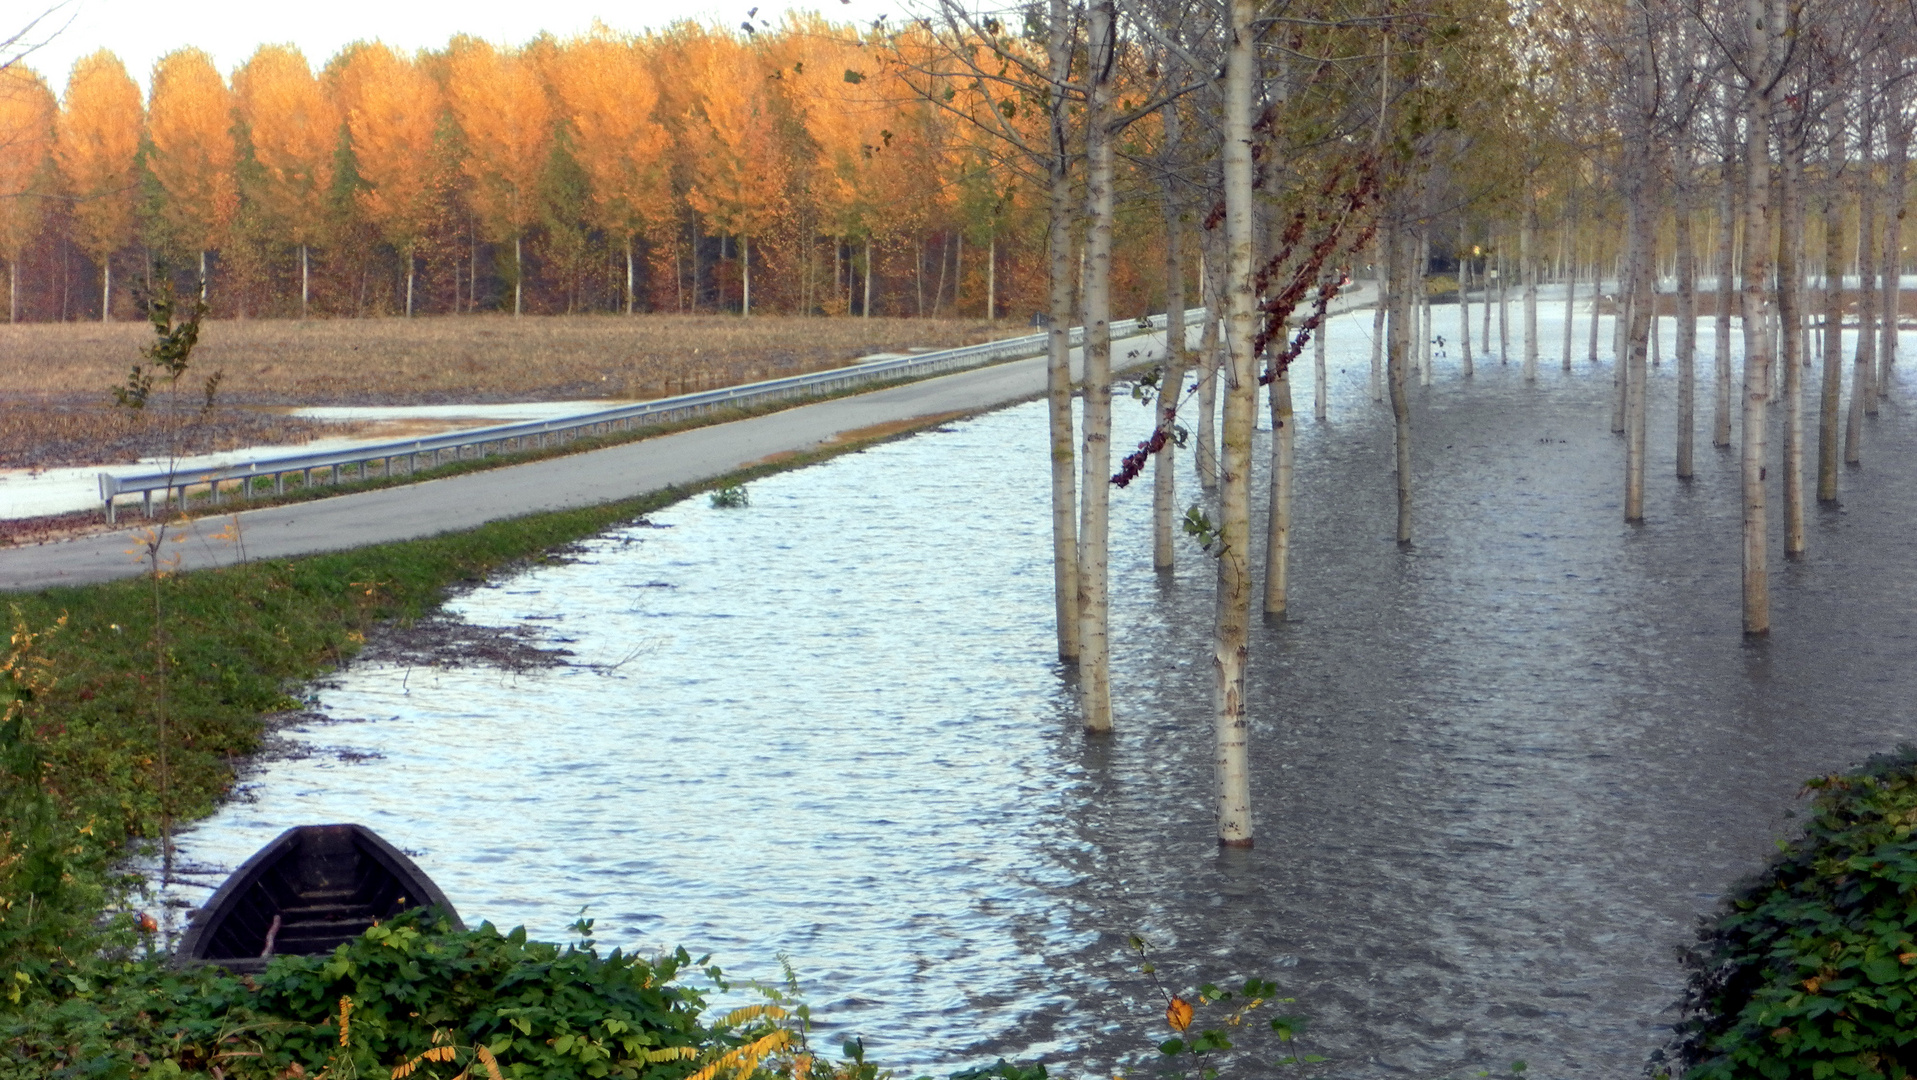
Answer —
27 112
190 123
294 131
392 113
501 107
97 149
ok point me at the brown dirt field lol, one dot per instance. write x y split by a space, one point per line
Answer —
55 386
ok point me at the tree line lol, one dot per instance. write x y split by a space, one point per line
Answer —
788 169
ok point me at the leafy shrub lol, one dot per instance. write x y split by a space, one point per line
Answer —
385 999
731 497
1813 970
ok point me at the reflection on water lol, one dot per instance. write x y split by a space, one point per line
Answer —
1496 775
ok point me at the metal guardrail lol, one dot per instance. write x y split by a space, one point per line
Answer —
245 475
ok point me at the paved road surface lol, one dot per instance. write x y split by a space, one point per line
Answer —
463 502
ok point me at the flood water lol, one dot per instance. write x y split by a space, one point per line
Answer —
1496 776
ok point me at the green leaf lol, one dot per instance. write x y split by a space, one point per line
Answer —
1172 1047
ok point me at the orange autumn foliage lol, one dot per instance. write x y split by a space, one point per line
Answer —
738 164
392 111
97 144
607 95
27 112
294 128
190 123
501 107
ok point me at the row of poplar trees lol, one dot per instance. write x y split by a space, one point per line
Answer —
1636 150
784 168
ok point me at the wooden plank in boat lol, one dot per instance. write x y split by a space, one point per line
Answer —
313 888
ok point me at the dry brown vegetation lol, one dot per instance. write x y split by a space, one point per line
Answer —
55 387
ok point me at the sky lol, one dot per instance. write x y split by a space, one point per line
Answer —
141 31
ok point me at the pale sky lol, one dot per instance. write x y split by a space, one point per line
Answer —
141 31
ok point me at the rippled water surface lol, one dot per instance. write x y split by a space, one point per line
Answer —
1496 775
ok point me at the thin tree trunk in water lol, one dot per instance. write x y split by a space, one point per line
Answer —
1231 644
1528 266
1425 334
1058 366
1833 375
1893 225
1863 396
1465 366
1378 324
1686 313
1320 373
1757 246
1621 345
1491 275
1209 364
1278 538
1726 218
1790 215
1164 469
1640 268
1094 661
1504 309
1597 293
1570 292
1397 358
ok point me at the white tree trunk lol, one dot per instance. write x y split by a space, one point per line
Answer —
1466 367
1570 294
305 278
1164 469
629 274
1378 322
1832 390
409 283
1212 290
1726 219
1397 358
1757 362
1528 266
1790 218
1863 395
1686 313
1893 220
991 279
1231 643
1058 366
106 289
1504 309
1094 660
1320 371
745 276
865 312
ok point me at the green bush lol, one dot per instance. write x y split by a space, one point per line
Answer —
1812 972
545 1012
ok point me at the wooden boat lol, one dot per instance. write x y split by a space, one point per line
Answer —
310 890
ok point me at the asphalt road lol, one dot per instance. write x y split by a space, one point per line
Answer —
462 502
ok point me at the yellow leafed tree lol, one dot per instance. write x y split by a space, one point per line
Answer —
392 115
190 122
295 131
833 85
608 95
26 156
739 167
501 106
97 143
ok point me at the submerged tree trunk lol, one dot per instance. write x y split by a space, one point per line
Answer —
1790 216
1164 470
1378 322
1757 338
1465 368
1528 266
1210 348
1832 389
1726 218
1504 309
1686 312
1396 347
1094 661
1570 292
1058 366
1231 642
1278 537
1863 396
1893 227
1320 373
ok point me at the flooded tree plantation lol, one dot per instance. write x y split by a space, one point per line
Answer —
1497 775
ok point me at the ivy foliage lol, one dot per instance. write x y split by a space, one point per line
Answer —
404 988
1812 971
